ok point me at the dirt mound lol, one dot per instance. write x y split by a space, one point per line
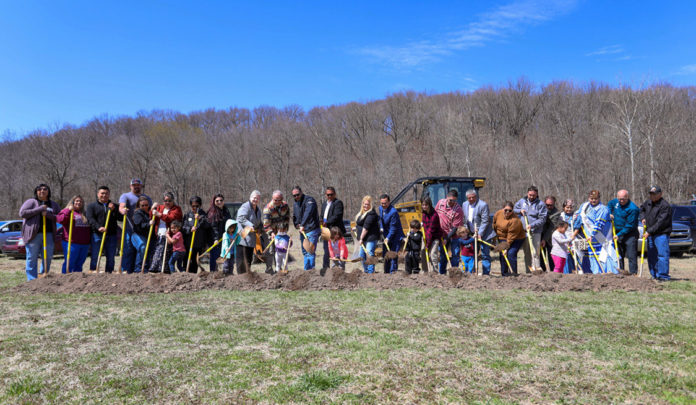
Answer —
333 279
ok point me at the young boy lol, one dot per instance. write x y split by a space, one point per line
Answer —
466 249
414 244
337 248
175 237
229 246
559 248
282 244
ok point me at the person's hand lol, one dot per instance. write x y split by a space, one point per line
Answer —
302 229
70 207
112 206
645 235
158 214
386 241
589 240
193 229
195 216
542 243
611 216
616 237
523 212
101 229
152 222
529 227
643 222
44 208
155 205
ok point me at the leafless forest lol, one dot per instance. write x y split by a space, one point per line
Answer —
563 137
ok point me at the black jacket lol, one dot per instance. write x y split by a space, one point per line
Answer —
217 228
141 223
658 217
305 213
370 222
202 233
96 216
334 217
415 242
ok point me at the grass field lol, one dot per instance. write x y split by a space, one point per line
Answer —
395 346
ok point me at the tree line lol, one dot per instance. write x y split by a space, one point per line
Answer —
563 137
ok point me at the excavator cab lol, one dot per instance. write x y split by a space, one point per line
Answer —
407 202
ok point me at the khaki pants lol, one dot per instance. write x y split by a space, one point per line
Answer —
528 259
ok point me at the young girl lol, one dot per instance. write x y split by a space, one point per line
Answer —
229 246
176 239
337 248
414 244
466 249
282 244
559 250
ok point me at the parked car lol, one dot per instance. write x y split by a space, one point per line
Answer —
685 215
233 207
9 229
14 246
680 240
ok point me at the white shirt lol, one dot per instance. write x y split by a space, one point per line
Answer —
326 211
471 214
162 228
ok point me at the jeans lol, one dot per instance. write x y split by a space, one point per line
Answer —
78 256
627 249
454 258
569 264
140 242
34 251
309 258
658 256
391 265
467 263
370 247
129 253
486 256
177 261
110 245
214 254
512 257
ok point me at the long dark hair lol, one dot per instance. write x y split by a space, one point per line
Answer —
429 202
216 214
36 191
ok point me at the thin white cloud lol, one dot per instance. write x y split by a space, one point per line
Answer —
687 70
494 25
607 50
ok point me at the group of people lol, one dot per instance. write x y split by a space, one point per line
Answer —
158 237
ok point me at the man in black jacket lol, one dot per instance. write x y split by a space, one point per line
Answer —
331 215
306 219
656 214
96 214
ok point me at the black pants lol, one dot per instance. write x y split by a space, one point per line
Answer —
542 262
628 249
412 260
245 255
193 267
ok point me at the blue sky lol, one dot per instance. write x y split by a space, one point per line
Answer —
69 61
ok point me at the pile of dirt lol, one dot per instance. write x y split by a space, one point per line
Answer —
333 279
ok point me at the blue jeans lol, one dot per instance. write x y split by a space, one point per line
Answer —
391 265
129 253
34 251
177 261
78 255
454 258
512 258
486 256
370 247
658 256
309 258
467 263
570 264
214 254
110 245
139 243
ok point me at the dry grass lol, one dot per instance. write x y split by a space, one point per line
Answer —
401 346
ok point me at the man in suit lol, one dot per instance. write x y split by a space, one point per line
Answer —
331 215
390 223
477 217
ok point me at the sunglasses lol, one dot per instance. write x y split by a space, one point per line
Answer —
507 210
549 205
167 200
43 188
330 194
195 206
295 195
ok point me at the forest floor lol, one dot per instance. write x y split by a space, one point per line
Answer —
346 337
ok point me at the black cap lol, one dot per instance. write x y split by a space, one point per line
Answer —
655 190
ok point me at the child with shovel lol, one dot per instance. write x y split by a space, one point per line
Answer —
414 244
466 249
282 245
176 239
337 248
229 242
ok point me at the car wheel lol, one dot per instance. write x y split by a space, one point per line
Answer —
678 254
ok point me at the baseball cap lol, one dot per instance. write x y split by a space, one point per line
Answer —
655 190
136 181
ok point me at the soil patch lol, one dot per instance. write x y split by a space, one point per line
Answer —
333 279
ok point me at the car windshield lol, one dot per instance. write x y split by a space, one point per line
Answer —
683 212
3 223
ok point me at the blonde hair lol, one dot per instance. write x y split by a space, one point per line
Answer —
72 201
362 212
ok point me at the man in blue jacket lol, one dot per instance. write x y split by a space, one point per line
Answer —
391 229
477 218
532 209
625 214
305 217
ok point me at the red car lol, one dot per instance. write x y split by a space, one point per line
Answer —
14 246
